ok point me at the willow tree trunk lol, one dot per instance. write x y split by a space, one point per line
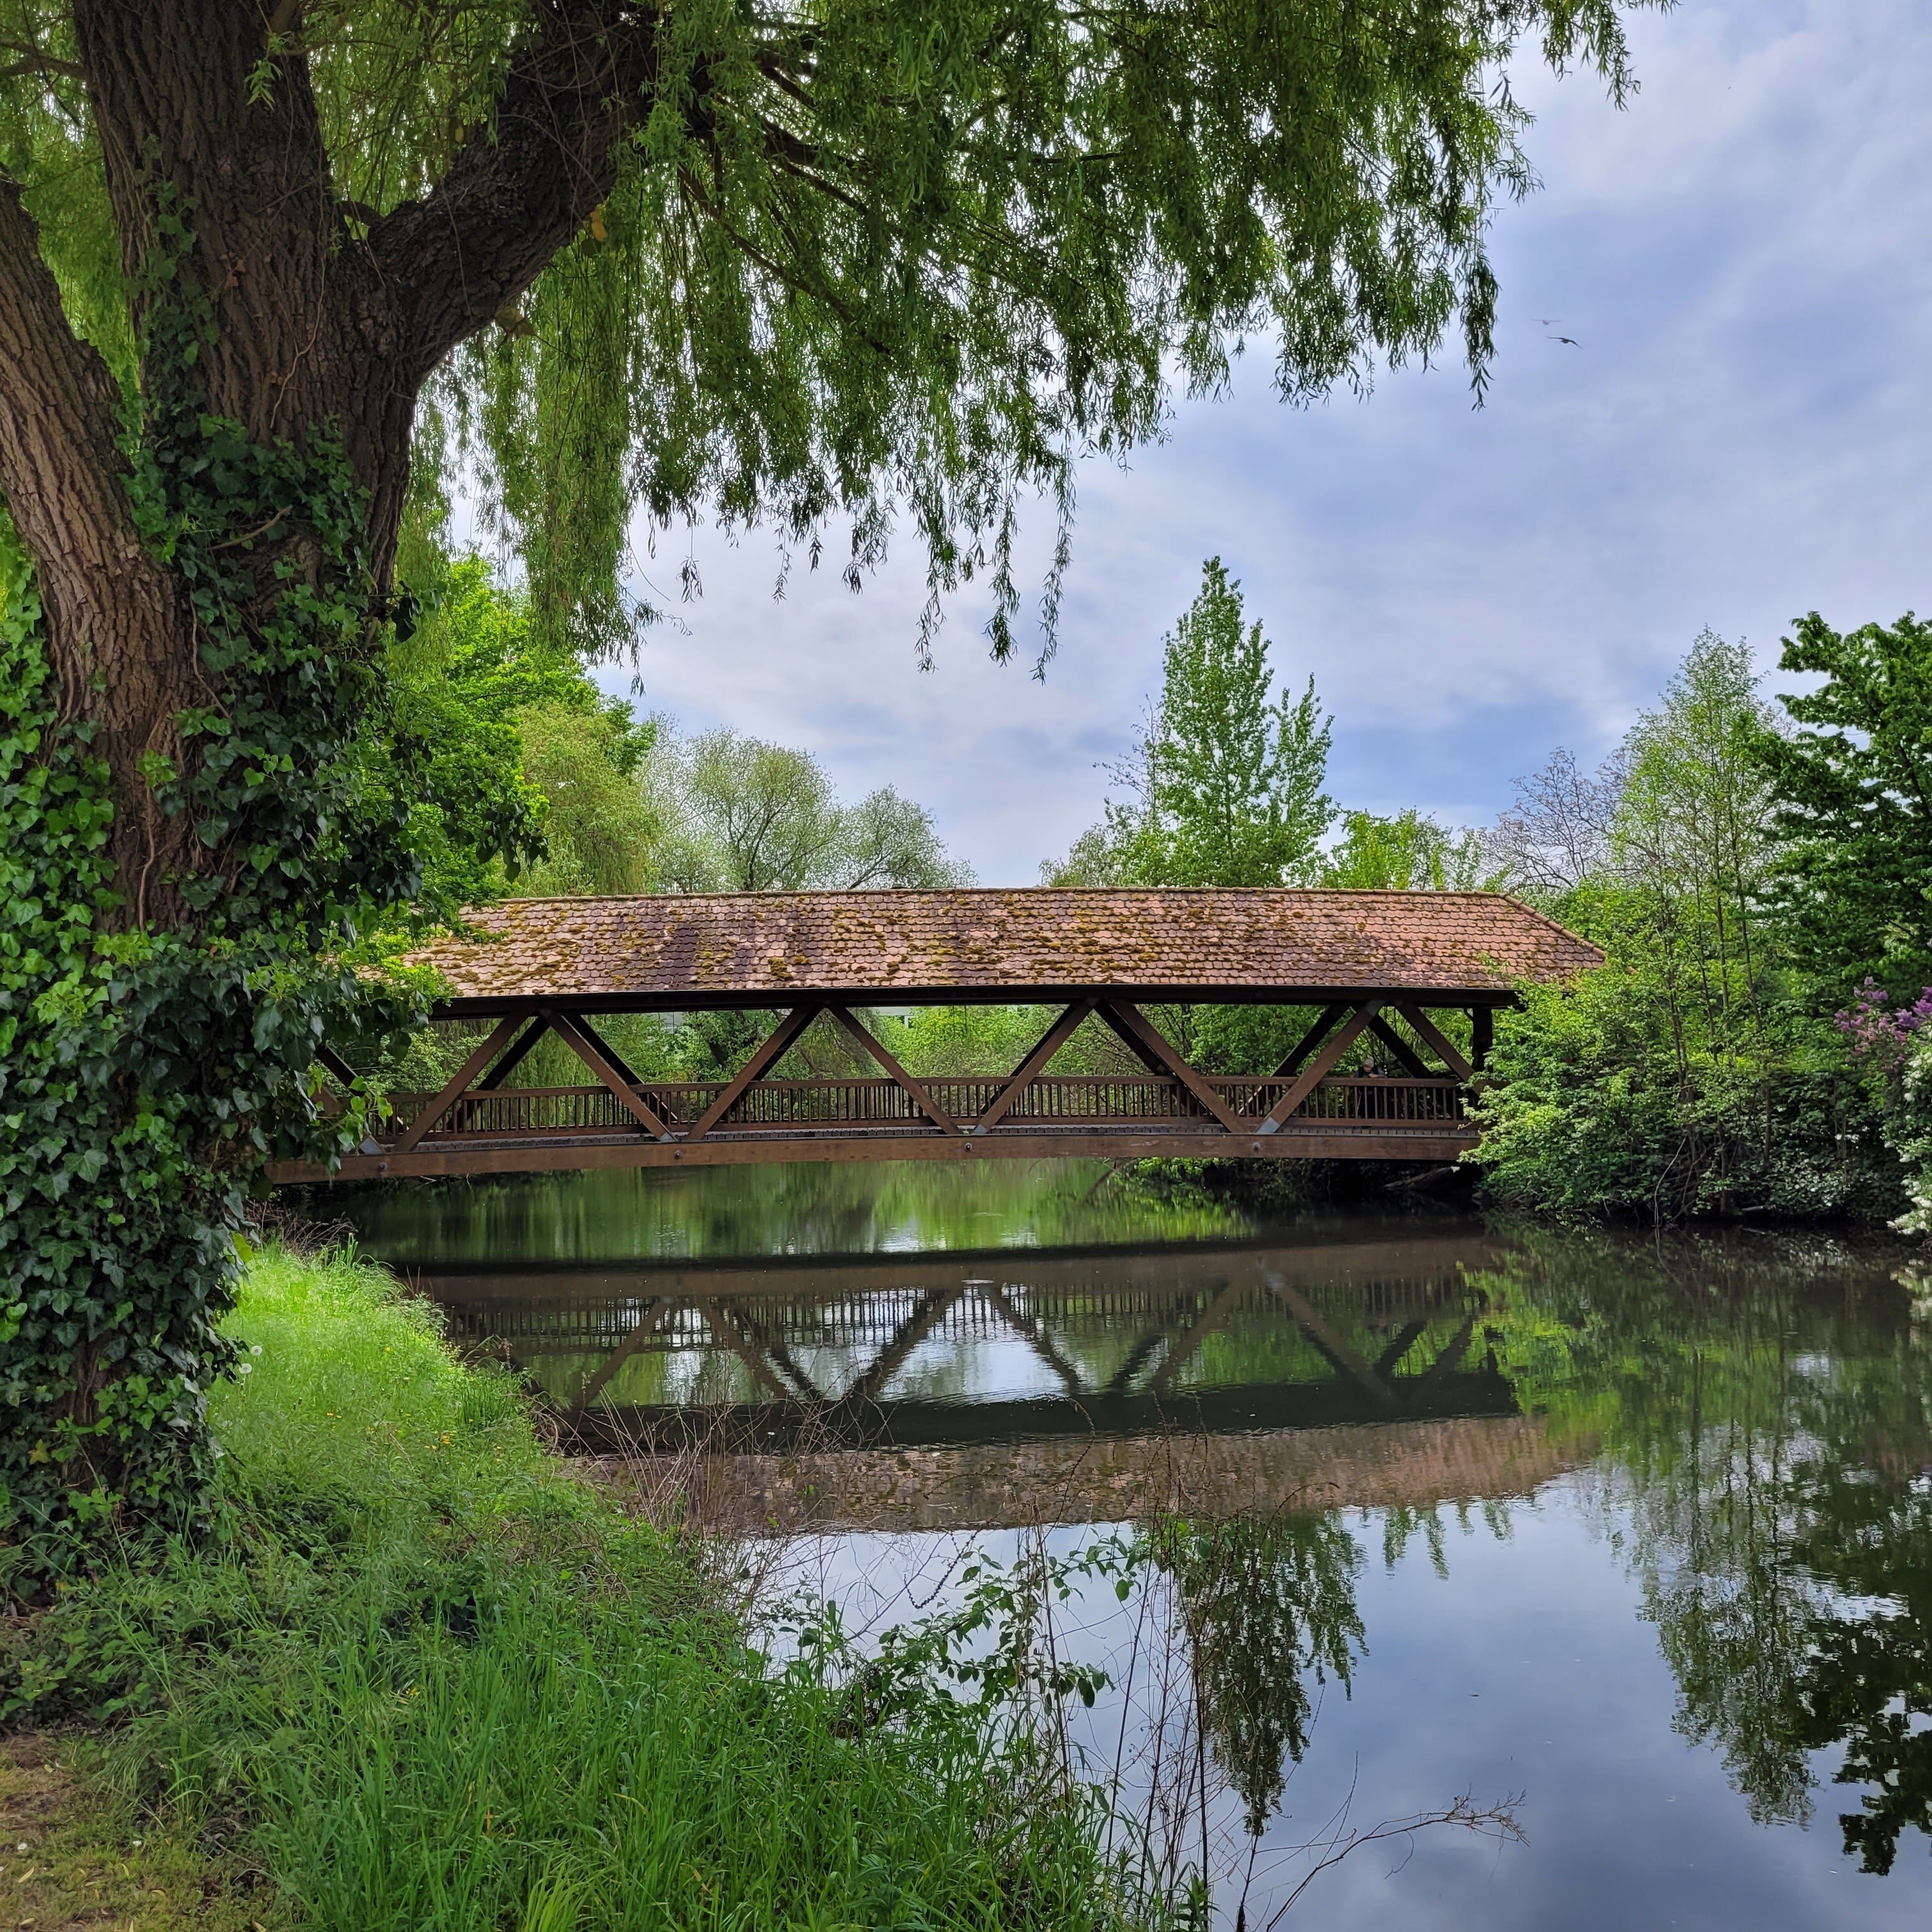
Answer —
189 664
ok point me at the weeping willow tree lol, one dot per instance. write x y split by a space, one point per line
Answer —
267 268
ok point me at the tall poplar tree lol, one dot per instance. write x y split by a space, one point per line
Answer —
1233 774
267 265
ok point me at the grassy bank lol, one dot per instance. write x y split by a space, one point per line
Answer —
428 1680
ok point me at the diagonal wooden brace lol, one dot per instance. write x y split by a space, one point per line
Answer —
1139 1032
1439 1042
332 1063
1051 1041
613 1058
1326 1021
517 1055
927 1313
921 1098
1336 1346
1312 1075
499 1038
633 1102
1412 1062
651 1318
770 1049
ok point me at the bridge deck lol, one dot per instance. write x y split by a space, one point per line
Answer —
536 1128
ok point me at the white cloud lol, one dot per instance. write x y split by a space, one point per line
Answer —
1738 436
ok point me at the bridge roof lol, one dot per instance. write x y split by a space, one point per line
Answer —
896 948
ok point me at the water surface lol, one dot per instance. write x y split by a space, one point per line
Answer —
1635 1534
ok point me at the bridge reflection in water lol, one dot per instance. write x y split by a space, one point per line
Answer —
970 1389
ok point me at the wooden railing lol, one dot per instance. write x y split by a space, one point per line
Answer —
837 1105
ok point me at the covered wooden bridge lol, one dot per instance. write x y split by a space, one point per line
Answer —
1385 964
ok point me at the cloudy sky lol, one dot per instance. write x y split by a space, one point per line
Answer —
1740 434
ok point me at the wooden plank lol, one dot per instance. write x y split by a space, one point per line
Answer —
1134 1026
770 1050
921 1098
1050 1042
499 1038
1311 1075
1329 1141
1326 1022
634 1103
1412 1062
1436 1040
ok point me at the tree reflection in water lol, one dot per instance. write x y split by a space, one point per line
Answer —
1766 1422
1267 1605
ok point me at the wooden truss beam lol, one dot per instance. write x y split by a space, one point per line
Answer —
1326 1021
586 1045
1049 1043
1445 1363
921 1098
499 1038
1436 1040
1482 1037
1412 1062
1337 1347
927 1313
332 1063
651 1319
1032 1331
770 1050
1139 1032
1184 1350
517 1054
618 1064
723 1322
1312 1075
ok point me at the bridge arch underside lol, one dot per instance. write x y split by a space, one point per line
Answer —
1306 1109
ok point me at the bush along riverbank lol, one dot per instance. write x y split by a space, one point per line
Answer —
424 1678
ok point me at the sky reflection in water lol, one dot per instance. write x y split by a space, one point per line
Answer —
1640 1531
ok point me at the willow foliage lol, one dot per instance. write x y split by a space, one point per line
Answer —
893 265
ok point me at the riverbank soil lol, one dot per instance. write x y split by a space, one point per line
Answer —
68 1862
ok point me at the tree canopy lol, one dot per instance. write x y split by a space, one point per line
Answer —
1853 788
889 262
271 271
1224 786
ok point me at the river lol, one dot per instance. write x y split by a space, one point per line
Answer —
1625 1540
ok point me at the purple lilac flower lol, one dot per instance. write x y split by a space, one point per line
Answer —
1877 1028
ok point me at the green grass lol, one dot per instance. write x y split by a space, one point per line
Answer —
429 1680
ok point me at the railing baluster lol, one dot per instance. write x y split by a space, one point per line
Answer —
1060 1099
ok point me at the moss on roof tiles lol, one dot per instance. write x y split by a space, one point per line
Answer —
1016 941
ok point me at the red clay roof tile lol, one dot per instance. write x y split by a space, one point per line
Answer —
767 948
